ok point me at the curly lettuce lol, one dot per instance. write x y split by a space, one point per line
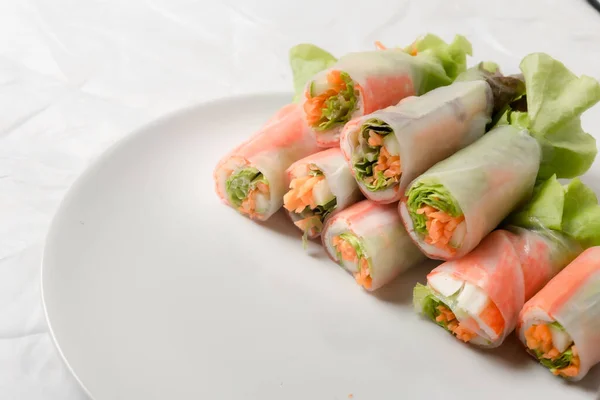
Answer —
558 363
366 156
428 191
306 60
551 110
571 209
426 302
452 57
339 107
241 182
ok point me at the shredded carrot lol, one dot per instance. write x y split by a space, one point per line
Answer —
413 49
301 193
380 45
387 164
363 277
348 253
248 206
375 139
440 227
539 337
313 107
446 315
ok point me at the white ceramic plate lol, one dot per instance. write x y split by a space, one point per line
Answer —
155 290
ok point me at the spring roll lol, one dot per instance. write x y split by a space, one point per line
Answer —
560 325
391 147
319 186
369 241
252 178
361 83
479 296
450 208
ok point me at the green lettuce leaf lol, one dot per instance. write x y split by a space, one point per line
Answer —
426 302
545 207
366 156
561 362
432 193
555 99
239 184
356 244
453 56
581 218
556 325
306 60
572 210
339 108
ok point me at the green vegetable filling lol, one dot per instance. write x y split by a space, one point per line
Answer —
338 108
565 359
366 156
357 245
432 194
427 303
321 211
240 183
561 362
317 215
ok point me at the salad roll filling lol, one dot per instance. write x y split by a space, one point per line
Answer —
350 252
331 103
376 161
248 190
310 198
460 308
436 216
554 348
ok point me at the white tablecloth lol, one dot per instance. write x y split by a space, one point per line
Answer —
77 75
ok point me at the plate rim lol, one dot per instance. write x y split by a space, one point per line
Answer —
95 162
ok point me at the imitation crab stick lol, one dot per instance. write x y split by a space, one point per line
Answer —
479 296
560 325
319 186
252 178
391 147
361 83
369 241
486 289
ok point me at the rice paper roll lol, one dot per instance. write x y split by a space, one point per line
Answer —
479 296
391 147
450 208
320 185
252 177
560 325
369 241
363 82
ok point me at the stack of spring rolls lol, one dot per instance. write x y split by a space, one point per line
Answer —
396 155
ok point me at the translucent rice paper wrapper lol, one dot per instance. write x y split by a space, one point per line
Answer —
385 241
284 139
509 266
337 175
383 78
572 298
428 129
487 179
